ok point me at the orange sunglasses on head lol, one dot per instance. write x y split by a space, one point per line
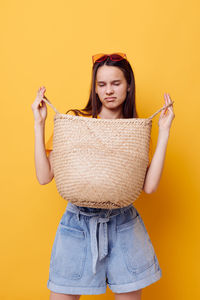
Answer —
114 57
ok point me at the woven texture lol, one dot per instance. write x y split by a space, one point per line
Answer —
100 163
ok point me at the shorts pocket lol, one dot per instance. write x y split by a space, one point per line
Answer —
137 249
70 252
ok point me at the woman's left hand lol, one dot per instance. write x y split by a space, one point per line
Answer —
167 115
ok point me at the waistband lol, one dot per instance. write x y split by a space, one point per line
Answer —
102 216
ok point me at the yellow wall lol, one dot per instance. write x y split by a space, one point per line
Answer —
51 43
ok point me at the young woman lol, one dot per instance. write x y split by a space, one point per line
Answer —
94 247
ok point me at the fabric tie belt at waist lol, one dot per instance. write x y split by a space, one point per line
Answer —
101 217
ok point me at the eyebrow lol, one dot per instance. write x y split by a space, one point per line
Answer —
111 81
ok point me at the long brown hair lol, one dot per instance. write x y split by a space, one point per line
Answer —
94 104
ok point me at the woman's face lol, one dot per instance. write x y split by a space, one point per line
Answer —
110 82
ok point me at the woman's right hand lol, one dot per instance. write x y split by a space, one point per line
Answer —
39 112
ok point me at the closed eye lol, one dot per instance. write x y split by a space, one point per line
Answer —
114 84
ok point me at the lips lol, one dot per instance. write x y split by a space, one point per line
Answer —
110 98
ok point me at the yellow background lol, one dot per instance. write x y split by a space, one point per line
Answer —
50 43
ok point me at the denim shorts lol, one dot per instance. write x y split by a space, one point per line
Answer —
94 247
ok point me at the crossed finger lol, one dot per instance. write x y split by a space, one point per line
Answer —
41 90
168 101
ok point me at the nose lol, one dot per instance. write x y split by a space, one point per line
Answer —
109 90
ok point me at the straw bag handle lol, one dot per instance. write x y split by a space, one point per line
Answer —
49 103
151 117
165 106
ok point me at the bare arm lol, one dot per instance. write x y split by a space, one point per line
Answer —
43 164
155 169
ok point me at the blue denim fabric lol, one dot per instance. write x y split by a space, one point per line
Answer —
94 247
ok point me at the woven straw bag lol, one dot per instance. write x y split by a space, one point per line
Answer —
100 163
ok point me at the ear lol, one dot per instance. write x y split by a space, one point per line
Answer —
129 89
